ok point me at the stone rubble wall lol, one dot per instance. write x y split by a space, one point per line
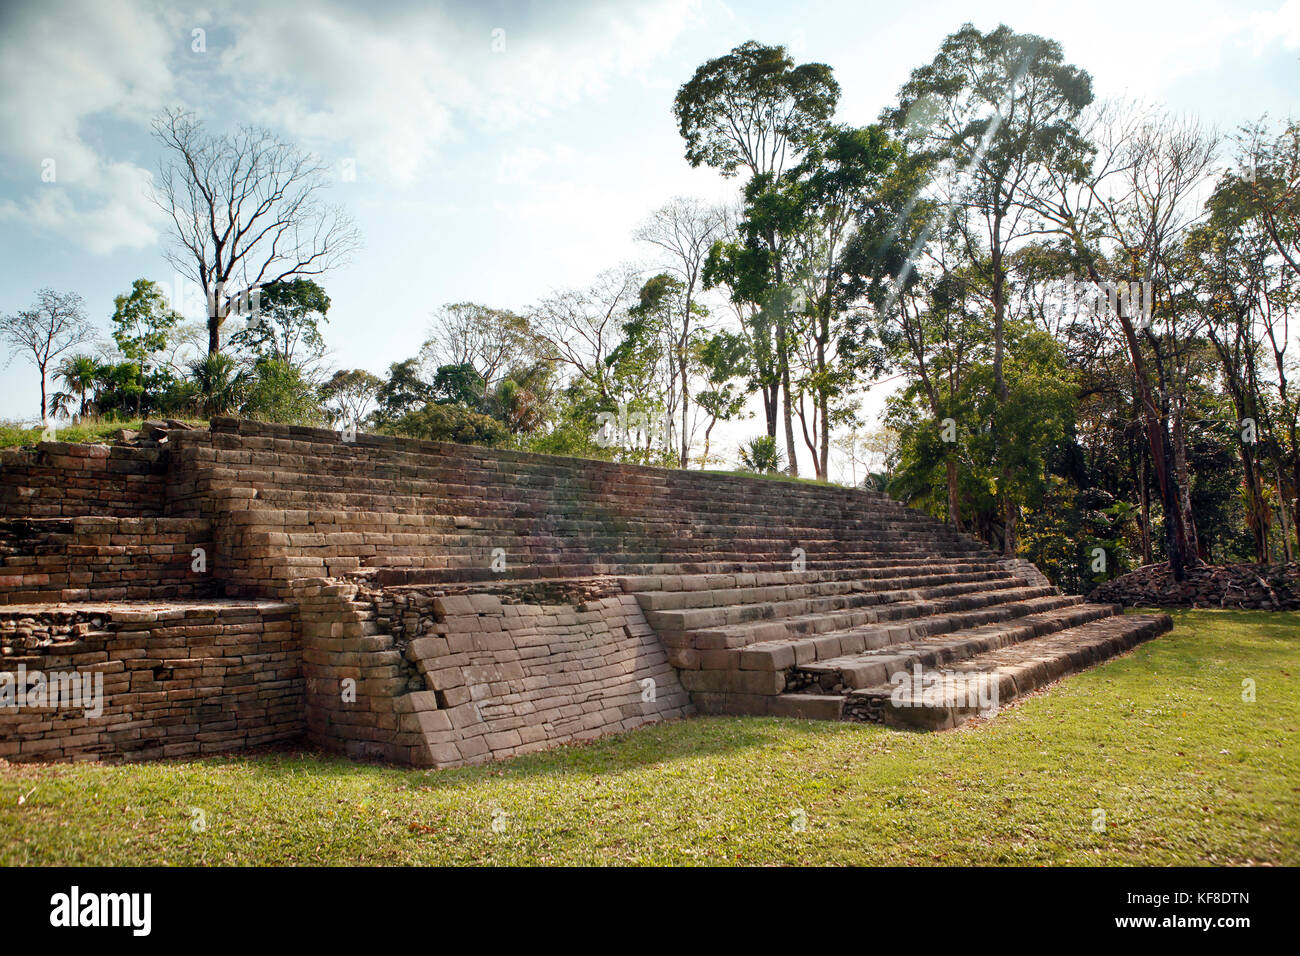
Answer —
1245 586
178 680
103 559
62 480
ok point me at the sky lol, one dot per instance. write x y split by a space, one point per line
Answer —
491 151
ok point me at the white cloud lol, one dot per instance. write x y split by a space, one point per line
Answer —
63 65
396 92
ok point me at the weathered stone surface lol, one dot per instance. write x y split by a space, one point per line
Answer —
439 604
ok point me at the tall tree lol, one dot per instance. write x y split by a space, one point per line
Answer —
247 210
492 341
1001 108
684 230
53 325
754 108
287 321
1125 220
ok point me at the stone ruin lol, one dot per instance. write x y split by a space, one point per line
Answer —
434 604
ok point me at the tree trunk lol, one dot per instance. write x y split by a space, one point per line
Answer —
790 449
954 502
1144 499
1184 482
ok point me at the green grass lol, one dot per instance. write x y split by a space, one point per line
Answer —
14 434
1160 739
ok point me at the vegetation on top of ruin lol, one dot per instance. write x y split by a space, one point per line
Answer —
1085 305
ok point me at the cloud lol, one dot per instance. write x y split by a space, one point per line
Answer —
389 90
64 66
397 92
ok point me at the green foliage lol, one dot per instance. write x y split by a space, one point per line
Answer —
403 391
748 107
288 319
349 393
279 392
219 383
451 423
761 455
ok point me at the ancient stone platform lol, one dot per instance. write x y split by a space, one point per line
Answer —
438 604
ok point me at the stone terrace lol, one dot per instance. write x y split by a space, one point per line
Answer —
448 604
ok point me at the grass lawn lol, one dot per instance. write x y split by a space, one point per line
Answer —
1161 740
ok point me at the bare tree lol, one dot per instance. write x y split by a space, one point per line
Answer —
494 341
246 210
1125 222
581 327
55 324
685 230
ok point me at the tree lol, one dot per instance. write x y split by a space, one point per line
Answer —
1001 109
685 230
491 341
246 211
725 356
219 381
277 391
754 108
579 328
761 455
53 325
142 322
843 176
452 423
348 395
77 373
288 316
1124 221
404 390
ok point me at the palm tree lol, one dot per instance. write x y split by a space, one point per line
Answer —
79 373
761 455
220 382
58 405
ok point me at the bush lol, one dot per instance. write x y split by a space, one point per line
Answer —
761 455
280 393
452 423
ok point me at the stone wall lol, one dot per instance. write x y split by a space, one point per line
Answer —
442 679
391 631
104 559
288 503
178 680
62 480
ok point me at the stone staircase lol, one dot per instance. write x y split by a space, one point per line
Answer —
923 643
439 604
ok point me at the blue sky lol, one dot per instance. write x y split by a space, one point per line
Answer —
482 175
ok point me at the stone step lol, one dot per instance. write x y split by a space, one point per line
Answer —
831 623
672 577
989 680
683 580
803 652
878 666
755 593
1013 670
760 609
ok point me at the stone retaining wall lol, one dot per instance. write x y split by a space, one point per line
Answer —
440 680
178 680
104 559
62 480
